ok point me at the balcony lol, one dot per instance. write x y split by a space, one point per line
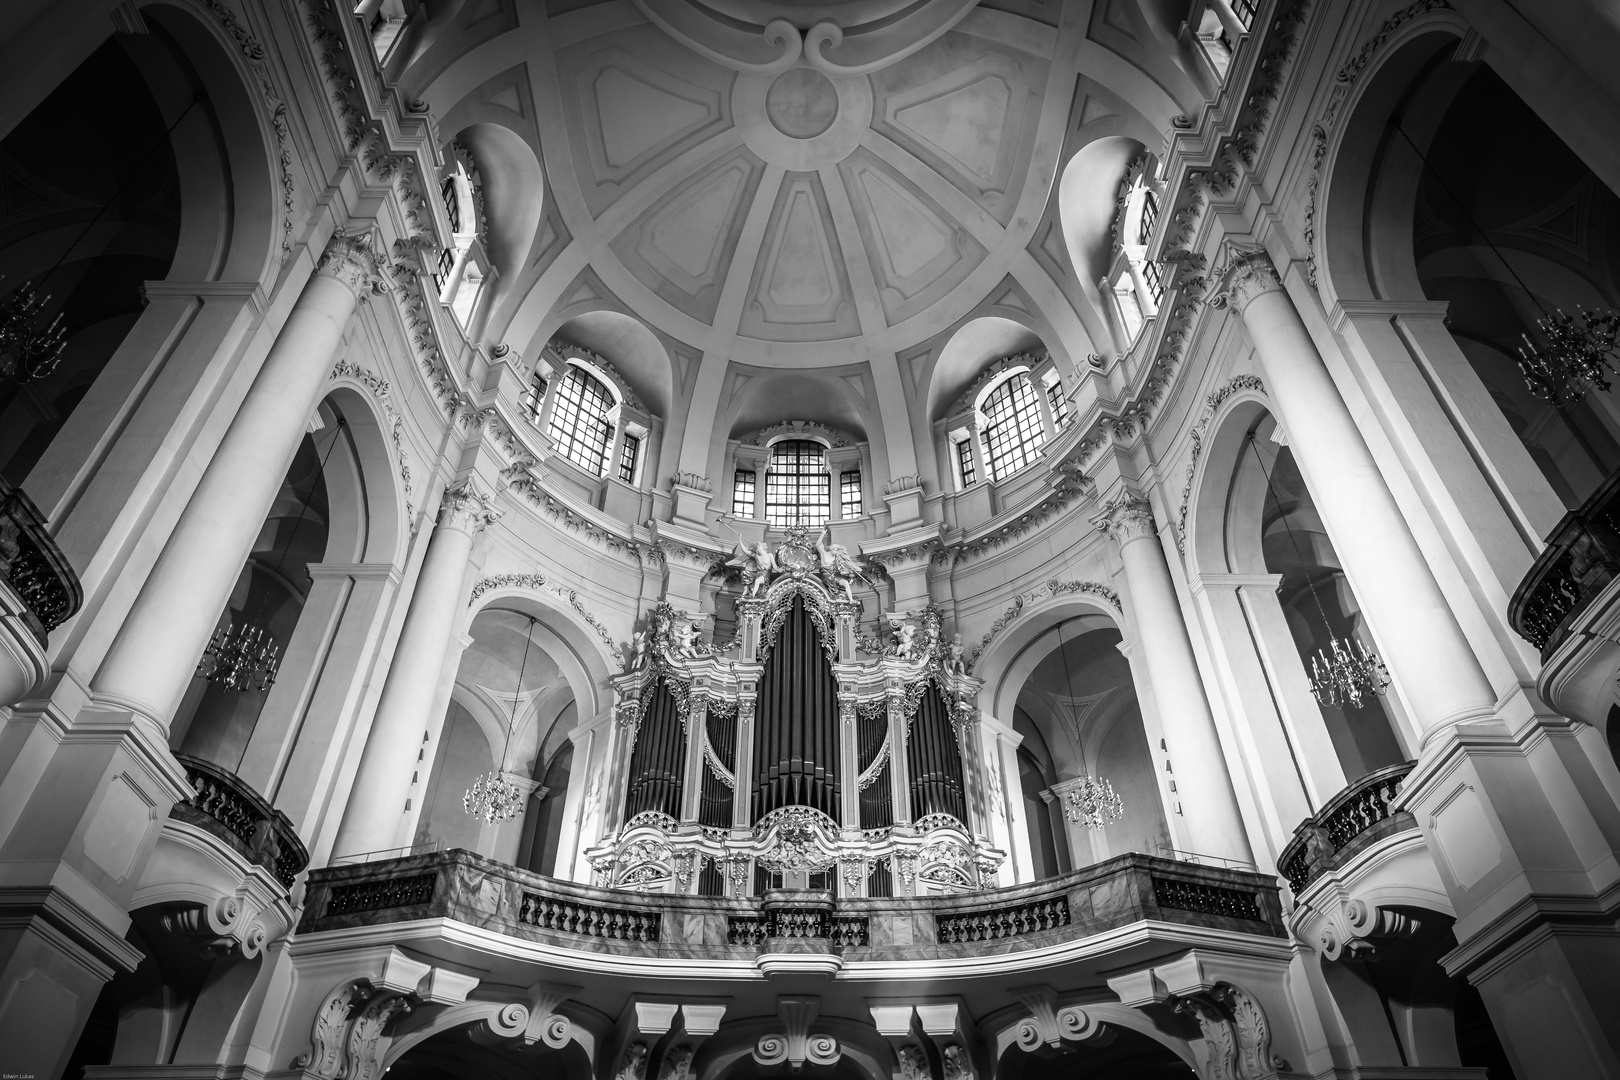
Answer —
786 932
1354 820
1566 607
40 593
238 815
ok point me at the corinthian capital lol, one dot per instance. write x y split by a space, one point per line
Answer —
1124 518
351 257
1249 273
466 509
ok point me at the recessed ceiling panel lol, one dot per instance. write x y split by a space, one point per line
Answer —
800 290
917 251
682 246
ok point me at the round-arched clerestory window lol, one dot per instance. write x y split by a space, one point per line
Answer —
1013 430
582 419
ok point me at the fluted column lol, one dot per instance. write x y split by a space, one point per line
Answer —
1203 808
1421 640
386 800
157 648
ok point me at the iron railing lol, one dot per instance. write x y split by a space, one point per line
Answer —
1581 558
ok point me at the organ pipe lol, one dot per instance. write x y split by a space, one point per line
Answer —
936 761
658 759
796 723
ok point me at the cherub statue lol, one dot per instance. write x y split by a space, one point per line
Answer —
905 638
683 639
957 663
635 651
756 563
838 568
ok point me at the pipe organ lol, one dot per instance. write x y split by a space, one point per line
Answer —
772 760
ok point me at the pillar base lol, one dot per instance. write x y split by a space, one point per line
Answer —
1517 816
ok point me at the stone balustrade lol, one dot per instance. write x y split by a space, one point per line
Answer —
240 816
1355 818
471 889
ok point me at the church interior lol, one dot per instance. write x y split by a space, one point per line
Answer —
835 539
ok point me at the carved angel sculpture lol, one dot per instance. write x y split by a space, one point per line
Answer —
838 568
905 639
756 563
957 664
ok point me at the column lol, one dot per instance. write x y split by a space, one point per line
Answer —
1209 817
1144 295
1418 636
849 762
742 796
386 799
157 648
1229 21
899 754
697 722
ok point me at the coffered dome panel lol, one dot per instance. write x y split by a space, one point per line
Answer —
800 290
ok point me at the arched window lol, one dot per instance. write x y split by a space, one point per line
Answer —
581 420
1013 431
798 488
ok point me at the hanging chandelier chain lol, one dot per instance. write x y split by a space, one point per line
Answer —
1091 801
244 656
1346 670
1577 357
494 796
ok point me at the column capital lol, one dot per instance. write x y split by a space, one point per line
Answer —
1124 518
466 509
1249 273
351 258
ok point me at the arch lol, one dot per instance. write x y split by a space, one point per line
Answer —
581 651
818 397
1007 655
966 352
513 195
367 476
635 352
1088 208
1218 449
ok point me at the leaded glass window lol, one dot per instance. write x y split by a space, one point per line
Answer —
964 461
849 494
798 489
1013 431
580 428
742 493
627 458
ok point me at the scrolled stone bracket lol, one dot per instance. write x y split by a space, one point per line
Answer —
796 1043
1053 1027
1358 930
1235 1030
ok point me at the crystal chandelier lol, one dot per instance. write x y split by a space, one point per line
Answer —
1578 357
1091 800
28 350
240 657
494 797
1345 671
1350 676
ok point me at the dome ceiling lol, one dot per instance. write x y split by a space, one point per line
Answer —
781 216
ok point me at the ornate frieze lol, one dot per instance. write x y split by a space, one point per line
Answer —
1043 591
395 422
537 582
798 429
254 50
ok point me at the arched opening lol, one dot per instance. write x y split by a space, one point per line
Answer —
511 709
1078 712
92 211
1272 526
1122 1055
1506 245
179 1004
1089 202
221 707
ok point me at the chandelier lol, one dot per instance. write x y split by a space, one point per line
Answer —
243 656
28 350
1577 359
1091 800
494 797
1350 676
240 657
1345 671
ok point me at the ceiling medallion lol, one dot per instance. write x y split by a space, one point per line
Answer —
841 37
